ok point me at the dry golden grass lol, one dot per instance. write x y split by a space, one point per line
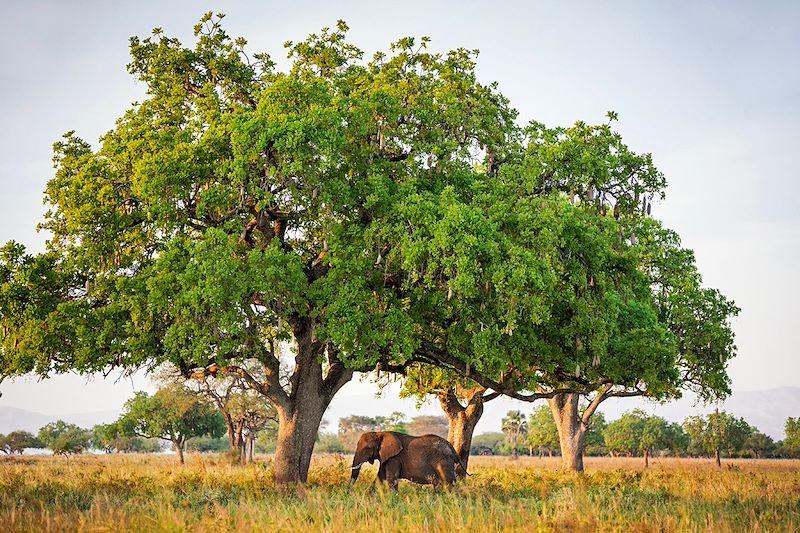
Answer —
153 493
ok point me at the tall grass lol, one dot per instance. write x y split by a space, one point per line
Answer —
152 493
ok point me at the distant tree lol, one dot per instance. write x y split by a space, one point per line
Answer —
514 427
491 441
394 422
759 445
676 440
694 429
207 444
594 441
329 443
656 435
17 441
792 441
173 414
63 438
725 433
542 431
623 435
351 427
428 425
715 434
107 437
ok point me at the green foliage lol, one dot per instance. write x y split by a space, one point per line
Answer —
17 441
636 432
624 435
716 432
63 438
515 428
792 430
207 444
171 413
329 443
542 431
759 445
491 441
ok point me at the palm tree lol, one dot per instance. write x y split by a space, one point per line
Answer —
514 426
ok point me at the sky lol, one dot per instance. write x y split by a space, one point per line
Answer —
711 89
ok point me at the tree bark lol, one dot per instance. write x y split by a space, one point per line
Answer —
571 430
462 420
647 458
300 410
179 450
252 444
717 458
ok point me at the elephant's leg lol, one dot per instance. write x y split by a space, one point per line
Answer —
445 476
392 474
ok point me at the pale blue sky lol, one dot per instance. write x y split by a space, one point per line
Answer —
710 88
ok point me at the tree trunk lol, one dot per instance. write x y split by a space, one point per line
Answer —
647 458
571 430
297 433
252 439
462 421
716 458
300 410
230 429
179 450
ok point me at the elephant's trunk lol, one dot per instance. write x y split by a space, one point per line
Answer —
354 471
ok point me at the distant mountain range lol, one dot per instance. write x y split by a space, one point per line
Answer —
767 410
13 418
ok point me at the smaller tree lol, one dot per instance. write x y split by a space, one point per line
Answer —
351 427
487 443
17 441
63 438
656 435
329 443
514 427
623 436
172 414
542 431
759 445
792 441
428 425
716 434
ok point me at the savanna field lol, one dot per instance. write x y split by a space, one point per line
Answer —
153 493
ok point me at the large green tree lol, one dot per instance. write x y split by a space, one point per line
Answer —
241 213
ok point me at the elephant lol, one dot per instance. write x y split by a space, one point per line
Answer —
428 459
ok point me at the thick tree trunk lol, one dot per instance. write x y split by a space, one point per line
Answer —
300 410
717 458
462 421
297 432
571 430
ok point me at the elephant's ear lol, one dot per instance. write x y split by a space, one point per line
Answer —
390 446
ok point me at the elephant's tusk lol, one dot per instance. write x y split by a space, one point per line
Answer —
356 467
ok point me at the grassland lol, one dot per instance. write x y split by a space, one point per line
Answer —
152 493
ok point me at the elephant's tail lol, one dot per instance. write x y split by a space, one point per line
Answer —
461 464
